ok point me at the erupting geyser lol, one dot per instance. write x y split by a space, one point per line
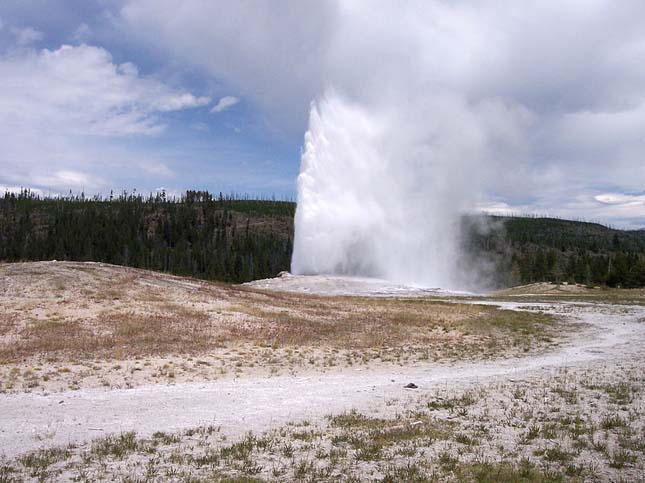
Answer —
380 191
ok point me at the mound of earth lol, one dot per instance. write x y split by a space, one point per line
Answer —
549 288
346 285
72 325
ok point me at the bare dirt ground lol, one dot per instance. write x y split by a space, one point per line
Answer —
537 392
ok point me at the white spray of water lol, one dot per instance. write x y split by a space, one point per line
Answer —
515 105
405 142
381 189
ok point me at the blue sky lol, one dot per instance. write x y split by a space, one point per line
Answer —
234 150
119 94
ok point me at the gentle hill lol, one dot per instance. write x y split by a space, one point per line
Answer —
227 239
524 250
85 324
571 235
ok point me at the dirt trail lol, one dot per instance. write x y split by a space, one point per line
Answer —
31 421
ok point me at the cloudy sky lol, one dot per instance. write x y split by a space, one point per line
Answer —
145 94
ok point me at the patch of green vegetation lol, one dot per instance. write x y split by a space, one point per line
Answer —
355 419
557 454
447 461
166 438
621 458
532 432
411 473
621 393
44 458
522 323
118 446
466 439
505 472
8 474
241 450
463 401
612 422
370 437
570 395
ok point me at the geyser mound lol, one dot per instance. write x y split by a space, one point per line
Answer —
339 285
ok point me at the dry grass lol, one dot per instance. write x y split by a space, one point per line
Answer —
127 334
572 292
359 323
67 312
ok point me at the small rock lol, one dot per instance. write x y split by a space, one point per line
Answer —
410 385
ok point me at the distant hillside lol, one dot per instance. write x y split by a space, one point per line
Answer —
217 238
237 240
522 250
565 234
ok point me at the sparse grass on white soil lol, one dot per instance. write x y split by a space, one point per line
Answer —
150 377
570 425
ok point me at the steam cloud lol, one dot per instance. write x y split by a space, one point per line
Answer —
395 153
423 109
381 189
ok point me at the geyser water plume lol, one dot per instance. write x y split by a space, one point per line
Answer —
380 189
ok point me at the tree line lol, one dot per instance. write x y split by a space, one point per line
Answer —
212 237
236 239
523 250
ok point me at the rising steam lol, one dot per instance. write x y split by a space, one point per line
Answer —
516 106
435 106
399 149
381 190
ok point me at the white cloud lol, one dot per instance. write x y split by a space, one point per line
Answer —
616 209
200 126
224 103
499 208
158 169
270 52
78 90
621 199
26 36
83 33
64 114
67 178
550 96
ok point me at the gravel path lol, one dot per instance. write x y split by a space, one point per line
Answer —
32 421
